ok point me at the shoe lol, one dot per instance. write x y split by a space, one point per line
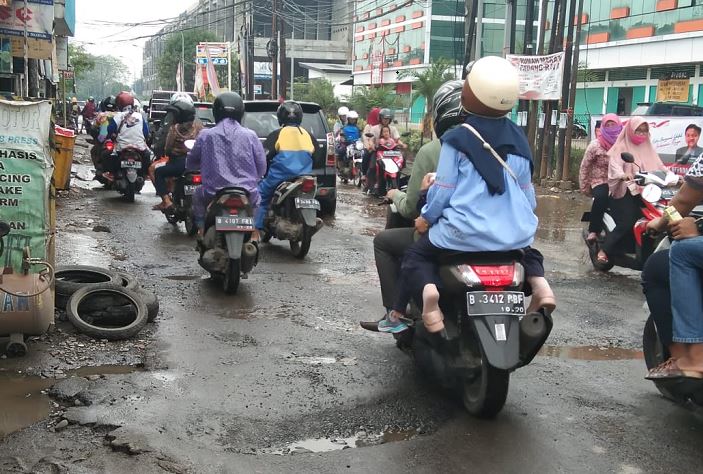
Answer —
392 327
370 325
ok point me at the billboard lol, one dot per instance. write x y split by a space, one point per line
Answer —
39 18
540 76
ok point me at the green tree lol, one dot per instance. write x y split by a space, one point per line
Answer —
107 77
176 47
363 99
320 91
426 84
82 61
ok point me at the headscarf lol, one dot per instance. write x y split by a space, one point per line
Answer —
373 118
608 136
502 134
641 148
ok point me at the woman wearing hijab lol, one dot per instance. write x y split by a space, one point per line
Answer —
593 176
624 203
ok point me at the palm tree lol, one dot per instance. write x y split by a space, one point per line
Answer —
426 84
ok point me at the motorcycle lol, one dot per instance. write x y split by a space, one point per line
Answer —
350 169
483 303
226 250
292 215
126 170
388 163
655 197
182 197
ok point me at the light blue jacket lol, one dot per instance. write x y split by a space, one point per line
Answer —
464 216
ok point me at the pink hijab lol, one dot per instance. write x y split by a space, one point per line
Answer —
645 156
608 136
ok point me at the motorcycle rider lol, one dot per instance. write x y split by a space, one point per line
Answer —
75 112
129 128
477 203
289 153
185 127
179 101
341 120
386 117
88 114
226 155
372 119
348 135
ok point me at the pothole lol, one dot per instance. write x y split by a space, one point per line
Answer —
183 277
324 445
591 353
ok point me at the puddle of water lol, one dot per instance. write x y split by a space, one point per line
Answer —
325 445
312 360
23 399
591 353
183 277
82 249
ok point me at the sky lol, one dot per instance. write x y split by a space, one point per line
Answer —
102 39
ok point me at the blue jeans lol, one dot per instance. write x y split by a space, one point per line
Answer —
279 171
686 270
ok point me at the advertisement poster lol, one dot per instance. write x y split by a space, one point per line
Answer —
667 133
26 167
540 76
674 90
39 18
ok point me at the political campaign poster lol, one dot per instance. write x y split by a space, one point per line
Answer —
540 76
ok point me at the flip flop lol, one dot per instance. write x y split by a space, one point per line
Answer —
602 258
670 370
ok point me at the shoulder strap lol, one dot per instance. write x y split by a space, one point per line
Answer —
124 119
490 149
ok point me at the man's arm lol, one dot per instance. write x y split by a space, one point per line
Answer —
444 186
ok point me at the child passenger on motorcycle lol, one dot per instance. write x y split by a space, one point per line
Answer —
476 203
386 139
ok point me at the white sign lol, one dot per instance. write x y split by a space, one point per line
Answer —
39 18
215 61
216 50
258 89
667 133
540 76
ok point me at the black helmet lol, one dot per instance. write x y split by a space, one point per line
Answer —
109 104
290 113
385 114
228 105
183 111
447 107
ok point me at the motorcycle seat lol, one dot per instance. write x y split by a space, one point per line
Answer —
230 190
478 258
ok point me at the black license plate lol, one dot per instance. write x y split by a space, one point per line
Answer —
306 203
234 224
495 303
189 189
131 165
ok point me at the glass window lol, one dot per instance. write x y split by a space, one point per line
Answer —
5 56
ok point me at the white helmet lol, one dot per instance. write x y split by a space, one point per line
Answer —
491 88
353 115
343 111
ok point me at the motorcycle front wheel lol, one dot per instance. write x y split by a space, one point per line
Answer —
301 249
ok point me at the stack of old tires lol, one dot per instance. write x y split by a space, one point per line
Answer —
103 303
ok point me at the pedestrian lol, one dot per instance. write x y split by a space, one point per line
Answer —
593 174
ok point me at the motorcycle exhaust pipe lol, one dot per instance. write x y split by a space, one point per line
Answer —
534 331
250 256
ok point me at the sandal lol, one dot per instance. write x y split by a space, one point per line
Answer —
670 370
602 257
158 207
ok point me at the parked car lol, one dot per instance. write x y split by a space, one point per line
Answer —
675 109
260 116
203 110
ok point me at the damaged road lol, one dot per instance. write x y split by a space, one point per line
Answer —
280 377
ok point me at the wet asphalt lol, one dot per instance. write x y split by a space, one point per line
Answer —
280 378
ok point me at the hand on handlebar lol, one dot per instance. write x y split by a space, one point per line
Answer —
656 226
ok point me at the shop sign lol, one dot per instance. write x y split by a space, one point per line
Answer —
673 90
25 174
38 17
540 76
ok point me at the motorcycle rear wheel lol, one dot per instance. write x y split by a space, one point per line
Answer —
593 255
301 249
654 354
191 228
230 283
130 192
484 396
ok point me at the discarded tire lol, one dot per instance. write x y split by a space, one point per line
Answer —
113 323
71 278
151 301
129 281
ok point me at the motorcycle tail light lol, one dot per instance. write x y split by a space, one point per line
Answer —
197 179
234 203
492 276
109 146
308 185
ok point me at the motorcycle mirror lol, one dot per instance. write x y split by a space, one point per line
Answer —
189 144
627 157
4 229
652 193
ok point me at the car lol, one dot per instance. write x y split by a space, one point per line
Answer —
260 116
203 111
158 103
668 109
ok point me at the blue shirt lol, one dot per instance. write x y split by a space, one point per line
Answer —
351 133
464 216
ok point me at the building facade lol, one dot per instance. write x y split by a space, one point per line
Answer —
627 47
315 31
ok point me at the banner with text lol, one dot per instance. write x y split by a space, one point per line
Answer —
39 18
25 175
540 76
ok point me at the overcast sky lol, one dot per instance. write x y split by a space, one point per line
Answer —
102 39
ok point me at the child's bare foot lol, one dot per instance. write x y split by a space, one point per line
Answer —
431 314
542 295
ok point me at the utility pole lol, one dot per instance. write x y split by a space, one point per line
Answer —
544 149
565 108
469 32
558 46
273 50
572 92
283 83
536 141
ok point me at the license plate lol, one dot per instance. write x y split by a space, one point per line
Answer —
235 224
131 164
306 203
189 189
496 303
